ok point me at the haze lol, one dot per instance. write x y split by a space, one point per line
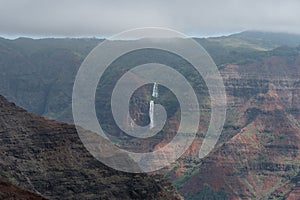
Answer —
75 18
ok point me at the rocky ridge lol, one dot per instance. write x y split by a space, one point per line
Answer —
48 158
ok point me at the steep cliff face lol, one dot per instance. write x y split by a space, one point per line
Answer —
258 152
47 157
38 74
259 160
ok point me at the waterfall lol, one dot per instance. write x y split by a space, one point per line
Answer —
155 90
151 113
151 109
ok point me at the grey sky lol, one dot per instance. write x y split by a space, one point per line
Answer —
104 18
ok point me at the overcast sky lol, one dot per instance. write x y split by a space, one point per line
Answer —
74 18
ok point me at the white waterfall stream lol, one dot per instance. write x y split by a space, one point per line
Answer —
155 90
151 113
151 109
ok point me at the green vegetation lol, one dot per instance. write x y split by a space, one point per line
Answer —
281 136
172 171
208 193
239 43
6 175
188 173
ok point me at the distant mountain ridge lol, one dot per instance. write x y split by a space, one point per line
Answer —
38 74
271 39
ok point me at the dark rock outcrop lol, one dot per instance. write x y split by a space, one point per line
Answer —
47 157
11 192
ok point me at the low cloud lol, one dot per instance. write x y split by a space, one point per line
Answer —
104 18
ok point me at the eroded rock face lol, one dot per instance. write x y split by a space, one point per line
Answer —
48 158
258 154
